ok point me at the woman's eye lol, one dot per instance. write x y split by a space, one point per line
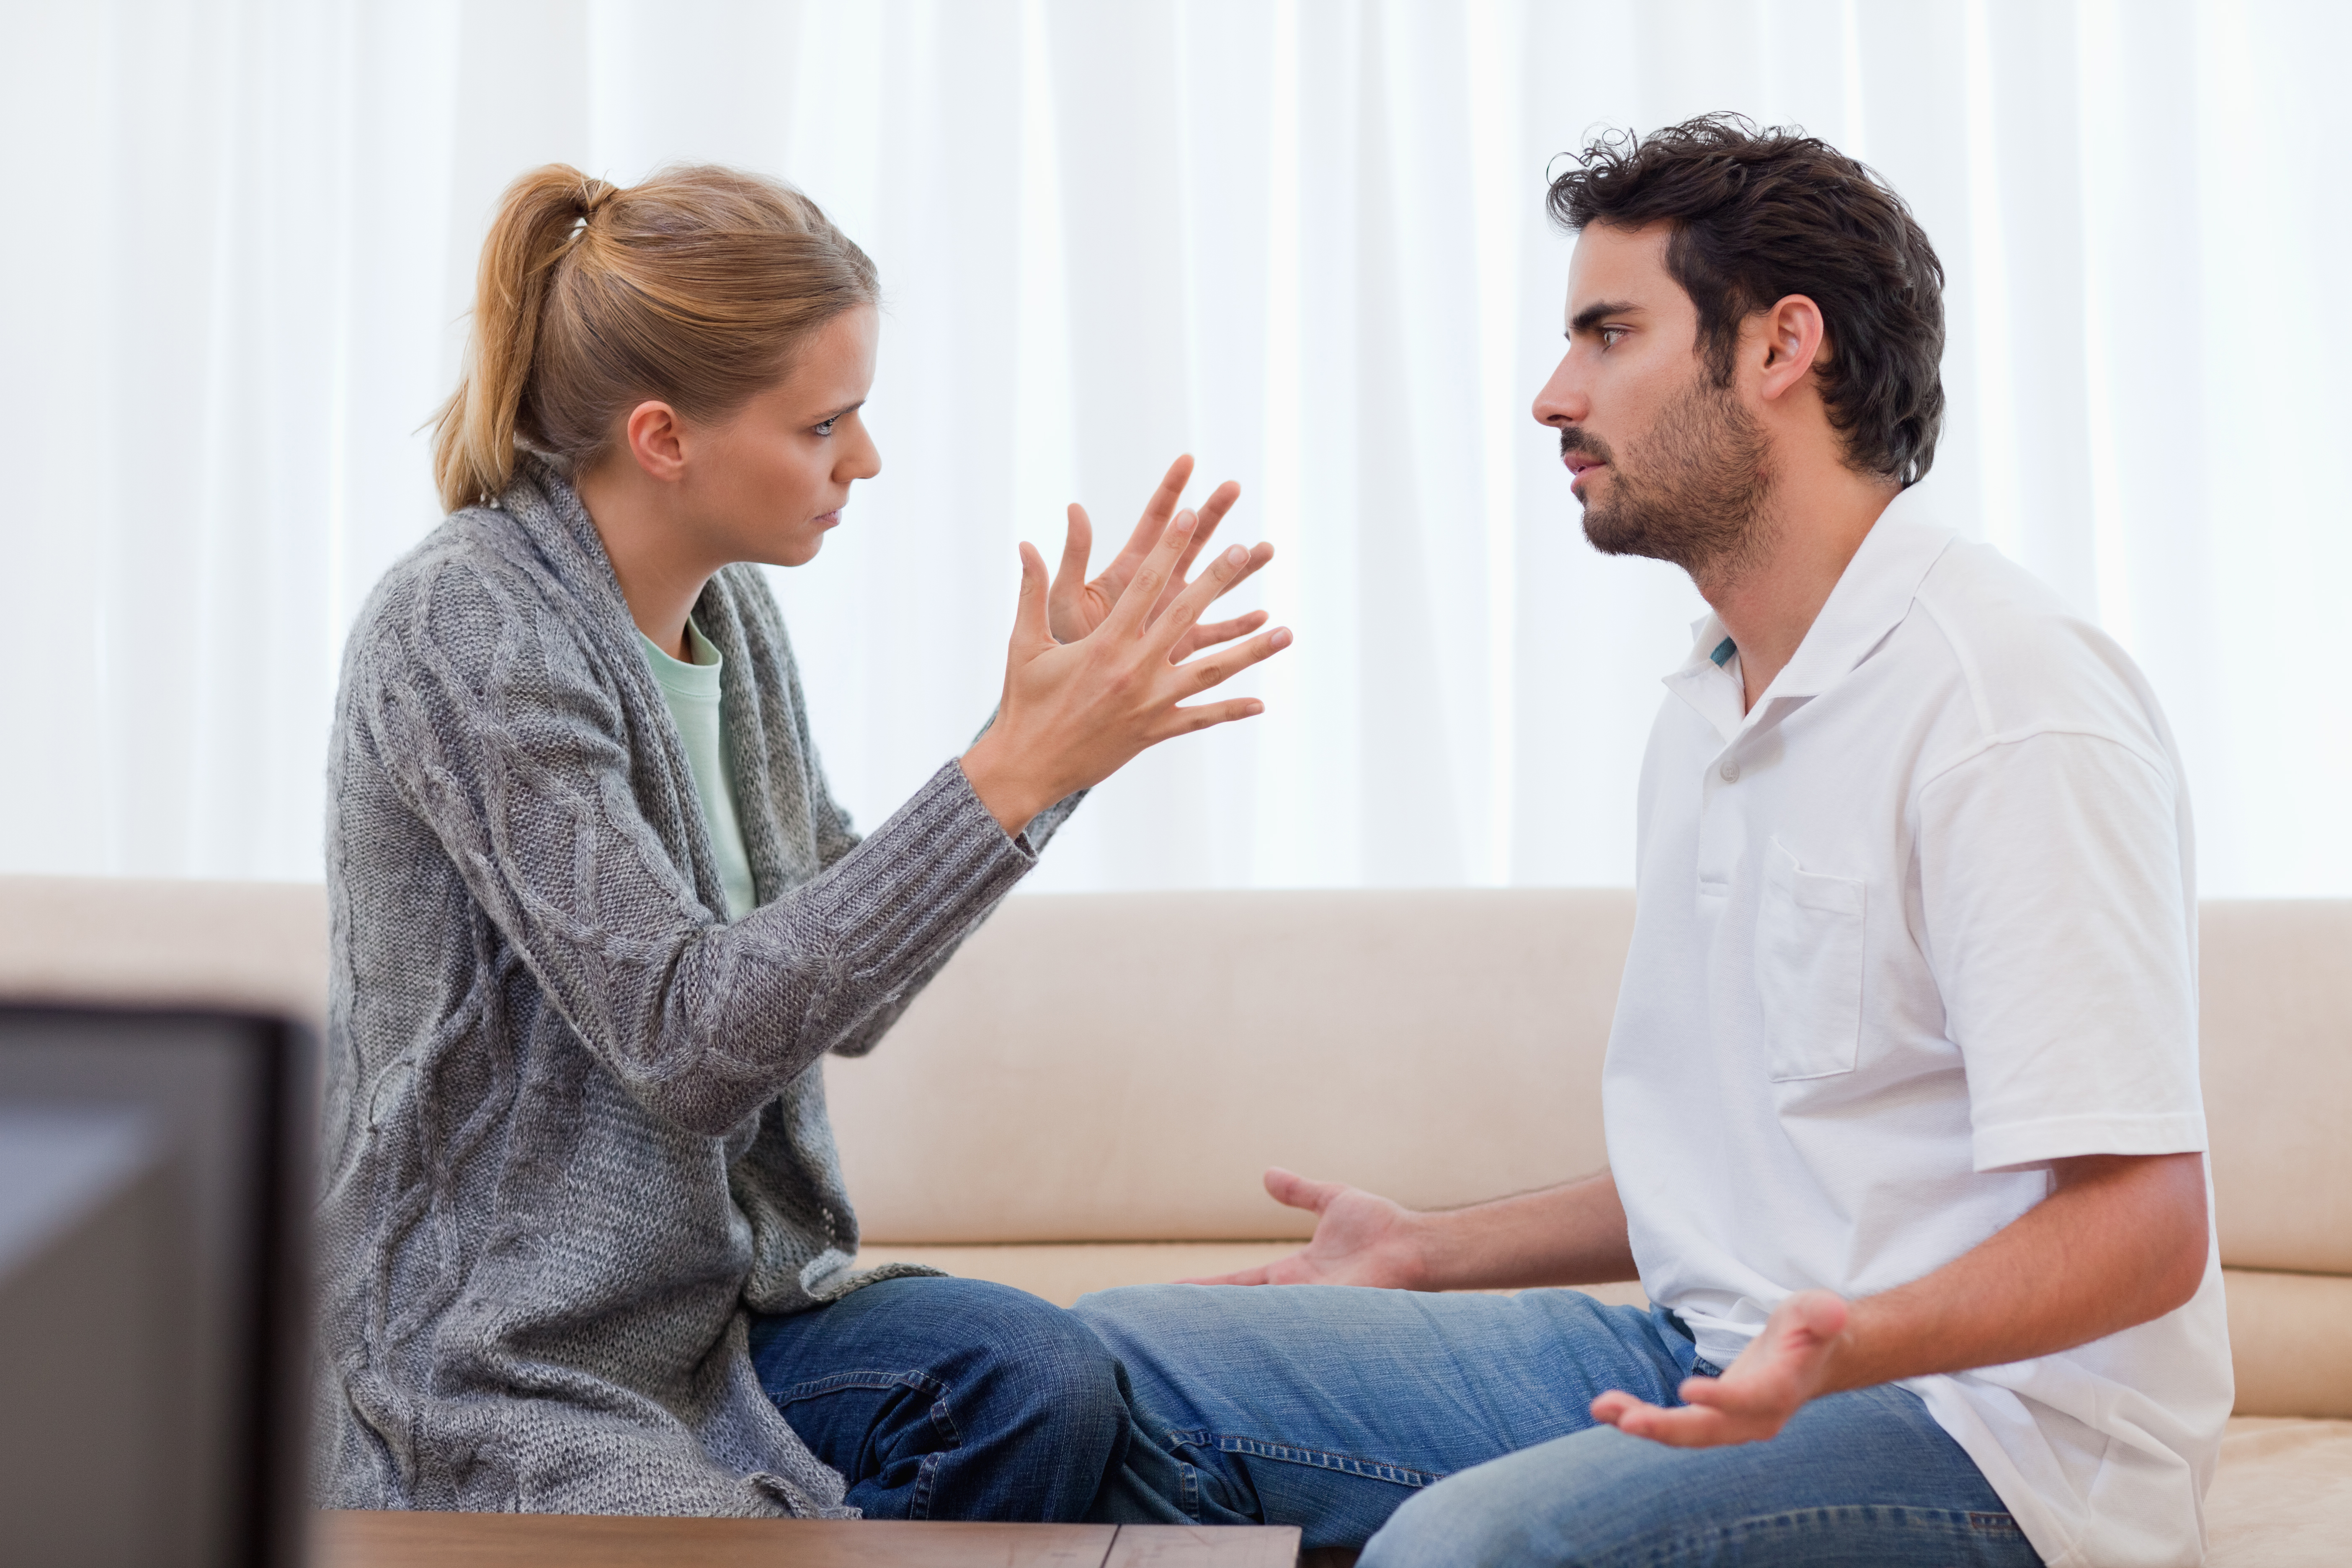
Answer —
826 428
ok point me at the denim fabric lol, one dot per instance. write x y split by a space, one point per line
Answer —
949 1399
1464 1417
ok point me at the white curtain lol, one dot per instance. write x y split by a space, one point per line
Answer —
1303 239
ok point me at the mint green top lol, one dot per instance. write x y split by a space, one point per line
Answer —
691 691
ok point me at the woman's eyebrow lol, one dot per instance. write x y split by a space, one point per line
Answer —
845 408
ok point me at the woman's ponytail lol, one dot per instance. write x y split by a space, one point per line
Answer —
474 434
693 287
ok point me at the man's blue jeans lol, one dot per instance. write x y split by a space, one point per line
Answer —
949 1399
1455 1427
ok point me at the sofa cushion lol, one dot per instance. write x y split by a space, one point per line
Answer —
2283 1496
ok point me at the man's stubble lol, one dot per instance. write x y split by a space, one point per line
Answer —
1693 493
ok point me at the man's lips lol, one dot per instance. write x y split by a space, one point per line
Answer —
1580 463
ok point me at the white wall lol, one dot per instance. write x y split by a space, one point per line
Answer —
1303 239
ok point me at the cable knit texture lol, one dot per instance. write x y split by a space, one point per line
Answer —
575 1122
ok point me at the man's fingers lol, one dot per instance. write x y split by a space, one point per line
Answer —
1261 1275
1612 1405
1295 1190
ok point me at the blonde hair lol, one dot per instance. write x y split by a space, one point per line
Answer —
694 287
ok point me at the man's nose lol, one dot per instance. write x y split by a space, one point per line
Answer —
1562 401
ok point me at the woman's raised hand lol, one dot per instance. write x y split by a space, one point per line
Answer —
1074 713
1075 605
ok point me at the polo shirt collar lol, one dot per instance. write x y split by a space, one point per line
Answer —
1871 597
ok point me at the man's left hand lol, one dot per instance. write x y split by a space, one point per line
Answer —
1781 1368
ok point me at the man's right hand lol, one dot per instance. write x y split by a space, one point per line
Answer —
1360 1239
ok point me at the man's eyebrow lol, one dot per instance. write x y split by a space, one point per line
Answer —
1592 316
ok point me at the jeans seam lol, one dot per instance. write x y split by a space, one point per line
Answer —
920 1382
1317 1459
926 1481
1970 1522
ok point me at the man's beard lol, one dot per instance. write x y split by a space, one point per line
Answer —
1697 497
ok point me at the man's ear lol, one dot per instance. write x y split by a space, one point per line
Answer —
1795 338
656 441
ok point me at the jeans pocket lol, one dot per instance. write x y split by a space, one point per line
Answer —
1809 964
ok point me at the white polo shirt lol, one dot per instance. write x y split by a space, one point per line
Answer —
1920 923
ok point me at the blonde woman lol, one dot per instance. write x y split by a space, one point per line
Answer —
596 917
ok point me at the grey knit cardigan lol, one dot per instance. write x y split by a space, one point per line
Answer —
574 1123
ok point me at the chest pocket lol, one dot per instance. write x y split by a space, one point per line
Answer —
1809 931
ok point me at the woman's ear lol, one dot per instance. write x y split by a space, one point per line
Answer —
1795 339
656 441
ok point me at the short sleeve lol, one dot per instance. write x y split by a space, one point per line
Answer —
2059 927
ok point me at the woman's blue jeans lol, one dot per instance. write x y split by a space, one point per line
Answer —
950 1399
1452 1430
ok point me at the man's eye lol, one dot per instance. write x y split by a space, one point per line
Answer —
1609 336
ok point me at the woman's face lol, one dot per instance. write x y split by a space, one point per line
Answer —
768 482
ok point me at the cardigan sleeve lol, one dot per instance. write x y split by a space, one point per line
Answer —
497 727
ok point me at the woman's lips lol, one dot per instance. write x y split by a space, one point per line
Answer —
827 518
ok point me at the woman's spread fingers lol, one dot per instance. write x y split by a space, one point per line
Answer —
1215 669
1158 570
1077 544
1260 553
1200 715
1212 511
1029 620
1215 632
1183 611
1164 501
1220 501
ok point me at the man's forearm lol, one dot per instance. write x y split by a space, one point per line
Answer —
1569 1235
2122 1240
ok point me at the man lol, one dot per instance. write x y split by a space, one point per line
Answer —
1901 1097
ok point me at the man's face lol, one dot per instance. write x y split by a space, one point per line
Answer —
1667 464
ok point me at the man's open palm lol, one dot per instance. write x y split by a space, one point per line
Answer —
1360 1239
1781 1369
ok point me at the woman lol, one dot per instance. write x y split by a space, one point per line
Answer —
595 916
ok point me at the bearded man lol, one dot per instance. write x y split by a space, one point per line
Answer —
1904 1132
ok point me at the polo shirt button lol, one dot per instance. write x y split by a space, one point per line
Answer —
1729 772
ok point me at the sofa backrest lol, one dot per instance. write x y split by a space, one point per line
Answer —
1123 1066
2276 1038
1155 1052
1106 1066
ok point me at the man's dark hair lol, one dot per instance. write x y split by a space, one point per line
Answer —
1762 214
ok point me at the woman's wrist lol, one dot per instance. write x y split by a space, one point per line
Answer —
1001 785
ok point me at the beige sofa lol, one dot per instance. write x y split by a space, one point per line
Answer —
1088 1096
